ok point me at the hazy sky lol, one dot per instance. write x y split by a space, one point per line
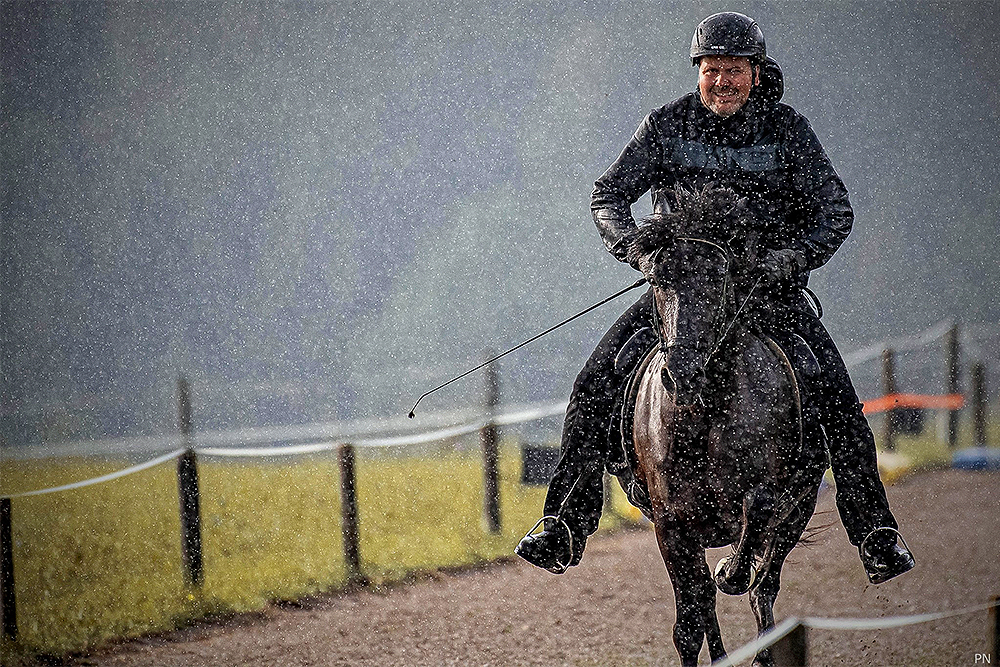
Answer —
319 210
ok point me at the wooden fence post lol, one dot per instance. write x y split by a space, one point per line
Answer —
349 514
8 604
979 404
491 454
790 650
952 370
889 388
608 484
187 486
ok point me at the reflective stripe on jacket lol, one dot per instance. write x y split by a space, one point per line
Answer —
766 152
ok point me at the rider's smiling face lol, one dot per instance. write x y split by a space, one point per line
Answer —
724 83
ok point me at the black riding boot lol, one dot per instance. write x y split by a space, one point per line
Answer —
575 498
576 492
861 500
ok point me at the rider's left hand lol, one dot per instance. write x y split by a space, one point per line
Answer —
781 265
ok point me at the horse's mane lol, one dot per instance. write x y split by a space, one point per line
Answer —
712 213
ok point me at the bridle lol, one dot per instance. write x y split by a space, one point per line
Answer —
720 310
719 318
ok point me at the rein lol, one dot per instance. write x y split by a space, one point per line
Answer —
721 309
736 316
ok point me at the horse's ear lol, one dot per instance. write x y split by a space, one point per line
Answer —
693 207
740 213
670 194
690 201
723 201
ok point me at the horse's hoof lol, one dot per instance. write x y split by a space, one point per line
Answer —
733 586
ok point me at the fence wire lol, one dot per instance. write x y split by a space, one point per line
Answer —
504 419
782 630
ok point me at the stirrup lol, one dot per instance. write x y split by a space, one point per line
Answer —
560 567
899 536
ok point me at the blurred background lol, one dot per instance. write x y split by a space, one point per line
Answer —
317 211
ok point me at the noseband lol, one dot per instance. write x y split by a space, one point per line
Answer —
719 318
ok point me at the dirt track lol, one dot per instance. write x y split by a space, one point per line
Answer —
616 608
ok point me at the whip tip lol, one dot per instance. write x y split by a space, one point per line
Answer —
410 415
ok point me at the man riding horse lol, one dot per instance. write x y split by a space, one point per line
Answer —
732 132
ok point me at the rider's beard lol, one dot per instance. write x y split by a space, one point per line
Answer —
725 100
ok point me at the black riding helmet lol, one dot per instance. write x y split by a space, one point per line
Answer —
728 34
735 34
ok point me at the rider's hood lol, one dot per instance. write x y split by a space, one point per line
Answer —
772 83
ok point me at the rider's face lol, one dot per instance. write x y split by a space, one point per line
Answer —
724 83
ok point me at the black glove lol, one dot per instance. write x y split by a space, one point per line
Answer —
781 265
643 262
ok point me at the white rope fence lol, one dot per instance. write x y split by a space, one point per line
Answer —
515 417
103 478
783 629
369 429
518 417
904 343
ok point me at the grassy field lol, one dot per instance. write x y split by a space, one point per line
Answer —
927 450
104 561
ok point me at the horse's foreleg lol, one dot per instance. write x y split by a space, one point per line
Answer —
694 595
762 597
735 574
713 634
702 593
762 602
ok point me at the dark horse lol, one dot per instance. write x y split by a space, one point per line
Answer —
724 439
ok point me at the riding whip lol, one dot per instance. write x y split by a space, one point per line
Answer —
617 294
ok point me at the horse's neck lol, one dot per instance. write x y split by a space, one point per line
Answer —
730 357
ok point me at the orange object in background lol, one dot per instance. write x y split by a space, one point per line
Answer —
890 401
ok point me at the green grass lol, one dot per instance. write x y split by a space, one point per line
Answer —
97 562
927 450
104 562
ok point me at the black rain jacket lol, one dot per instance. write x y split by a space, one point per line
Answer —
766 152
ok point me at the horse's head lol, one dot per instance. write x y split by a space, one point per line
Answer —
692 248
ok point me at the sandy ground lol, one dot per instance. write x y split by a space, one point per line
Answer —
616 608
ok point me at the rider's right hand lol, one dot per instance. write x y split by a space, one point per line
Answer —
644 263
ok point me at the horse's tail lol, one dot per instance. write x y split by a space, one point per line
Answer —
811 533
